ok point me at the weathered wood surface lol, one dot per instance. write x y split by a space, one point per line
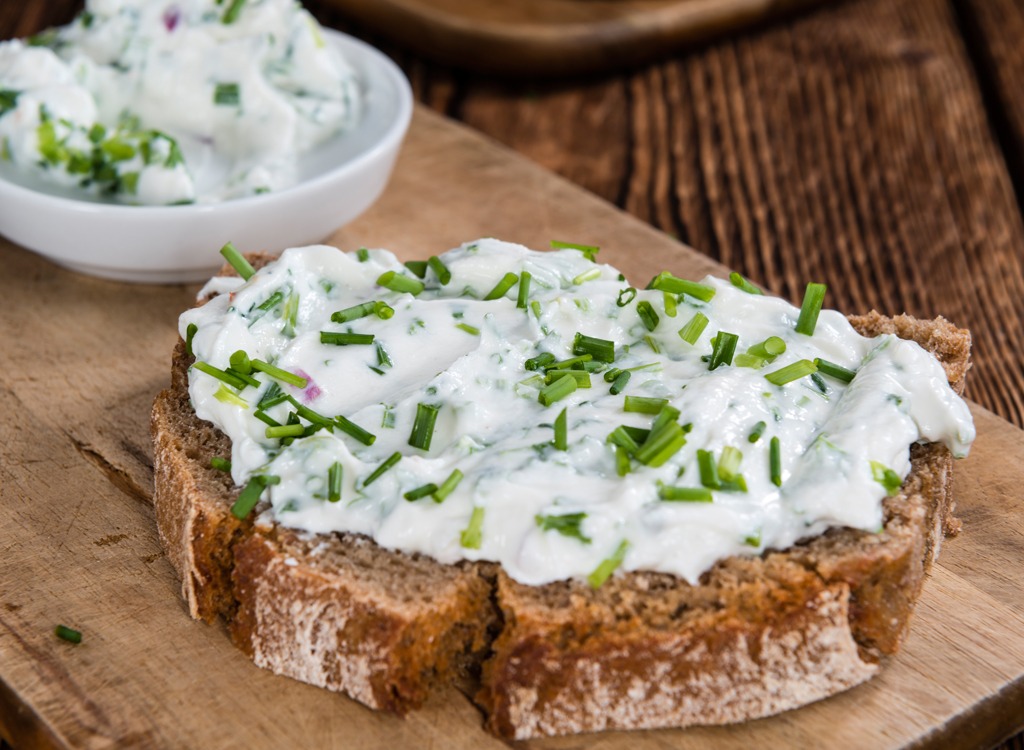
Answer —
84 357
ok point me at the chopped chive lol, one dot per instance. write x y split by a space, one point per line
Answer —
562 430
237 261
220 464
609 377
535 309
708 470
440 270
227 95
741 283
383 358
448 486
383 310
602 350
667 415
886 477
775 461
768 349
278 374
346 339
588 275
247 379
620 382
644 405
418 267
362 255
819 382
573 363
589 251
666 282
651 342
240 362
814 295
272 397
285 431
622 463
266 418
250 494
557 390
670 303
377 473
725 347
749 360
685 494
231 14
334 474
472 535
729 463
608 566
757 432
190 333
472 330
626 296
542 360
421 491
524 289
647 315
833 370
68 634
694 328
290 315
567 525
353 430
399 283
507 282
225 396
272 301
582 377
621 438
423 426
661 445
221 375
355 312
791 372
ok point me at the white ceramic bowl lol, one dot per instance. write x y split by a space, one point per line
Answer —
162 244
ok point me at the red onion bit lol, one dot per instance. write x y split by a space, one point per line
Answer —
171 17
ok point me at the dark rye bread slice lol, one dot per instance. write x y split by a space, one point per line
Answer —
757 636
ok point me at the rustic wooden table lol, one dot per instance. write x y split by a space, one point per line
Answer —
876 145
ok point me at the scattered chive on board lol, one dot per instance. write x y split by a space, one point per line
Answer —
68 634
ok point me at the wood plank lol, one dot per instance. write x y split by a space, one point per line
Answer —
76 549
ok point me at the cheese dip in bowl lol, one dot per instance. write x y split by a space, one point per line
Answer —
144 136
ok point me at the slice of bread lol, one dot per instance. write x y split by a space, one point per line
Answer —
757 636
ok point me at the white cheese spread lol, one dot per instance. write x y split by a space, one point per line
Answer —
175 101
552 501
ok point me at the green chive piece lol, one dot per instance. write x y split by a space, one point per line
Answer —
472 535
749 360
708 470
237 261
190 333
278 374
588 275
362 255
418 267
572 363
694 328
729 463
346 339
670 303
383 310
231 14
567 525
626 296
399 283
814 296
68 634
308 414
582 377
272 301
285 431
557 390
334 482
221 375
377 473
620 437
383 358
472 330
768 349
667 415
833 370
227 95
250 494
220 464
524 289
247 379
602 350
647 315
757 432
819 382
589 251
536 310
661 445
225 396
562 430
886 477
266 418
754 540
507 282
685 494
542 360
741 283
355 312
608 566
419 492
666 282
622 464
353 430
775 461
240 362
440 270
423 426
448 486
725 347
644 405
789 373
620 382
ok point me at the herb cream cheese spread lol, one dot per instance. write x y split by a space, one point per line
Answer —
536 410
173 101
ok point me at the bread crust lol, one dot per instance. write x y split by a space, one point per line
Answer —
756 636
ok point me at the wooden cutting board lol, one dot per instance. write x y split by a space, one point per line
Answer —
81 361
550 38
